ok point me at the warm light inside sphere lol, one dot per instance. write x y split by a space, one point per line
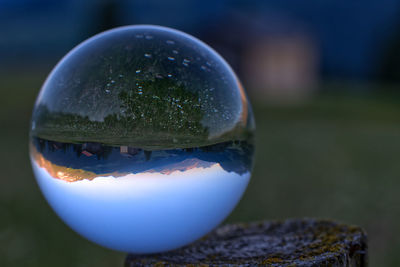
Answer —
142 139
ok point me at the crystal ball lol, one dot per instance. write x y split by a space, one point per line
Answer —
141 139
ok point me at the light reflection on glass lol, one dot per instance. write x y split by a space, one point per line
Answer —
161 202
142 139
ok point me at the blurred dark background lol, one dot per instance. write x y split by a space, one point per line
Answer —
323 77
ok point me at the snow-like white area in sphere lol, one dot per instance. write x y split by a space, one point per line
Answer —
145 212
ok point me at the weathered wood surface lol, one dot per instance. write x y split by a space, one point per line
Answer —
305 242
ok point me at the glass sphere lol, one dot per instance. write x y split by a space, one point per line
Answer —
142 139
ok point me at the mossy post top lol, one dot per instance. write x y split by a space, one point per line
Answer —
294 242
146 86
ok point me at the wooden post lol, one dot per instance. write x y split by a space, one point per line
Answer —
304 242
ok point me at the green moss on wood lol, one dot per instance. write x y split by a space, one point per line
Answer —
304 242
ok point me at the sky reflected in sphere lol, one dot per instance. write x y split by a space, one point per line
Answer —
142 139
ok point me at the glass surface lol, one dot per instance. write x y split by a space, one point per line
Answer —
142 139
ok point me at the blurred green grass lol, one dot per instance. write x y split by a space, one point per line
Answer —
335 156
